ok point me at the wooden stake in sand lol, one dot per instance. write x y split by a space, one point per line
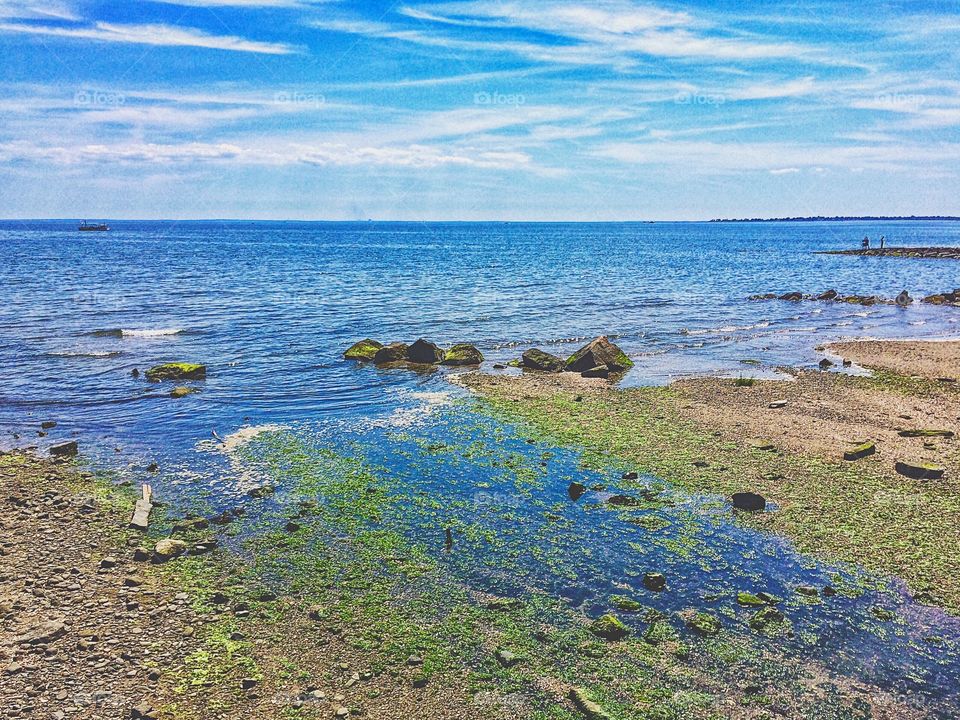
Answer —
141 512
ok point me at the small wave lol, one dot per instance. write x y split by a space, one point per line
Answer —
84 354
122 332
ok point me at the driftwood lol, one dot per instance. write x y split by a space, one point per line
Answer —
141 512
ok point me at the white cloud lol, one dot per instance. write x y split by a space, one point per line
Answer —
158 35
36 10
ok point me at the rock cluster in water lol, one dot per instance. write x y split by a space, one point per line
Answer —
421 352
834 296
599 358
947 298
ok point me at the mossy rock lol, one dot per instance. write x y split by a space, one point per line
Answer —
394 352
926 433
182 391
861 451
766 618
621 602
536 359
609 627
364 350
749 599
176 371
585 703
704 624
596 353
920 470
462 354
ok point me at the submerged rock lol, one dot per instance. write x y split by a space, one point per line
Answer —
363 350
609 627
749 501
177 371
536 359
654 581
703 624
766 617
394 352
425 352
462 354
596 353
182 391
621 602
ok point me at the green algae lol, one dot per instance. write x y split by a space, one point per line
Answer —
364 350
853 514
176 371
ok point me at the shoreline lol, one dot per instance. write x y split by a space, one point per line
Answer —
327 640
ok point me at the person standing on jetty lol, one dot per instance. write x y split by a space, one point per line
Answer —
866 242
882 238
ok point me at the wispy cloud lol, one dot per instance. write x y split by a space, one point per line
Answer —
158 35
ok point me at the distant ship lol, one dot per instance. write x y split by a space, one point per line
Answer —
92 227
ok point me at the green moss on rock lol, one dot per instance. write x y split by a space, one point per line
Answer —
621 602
749 599
609 627
363 350
462 354
176 371
703 624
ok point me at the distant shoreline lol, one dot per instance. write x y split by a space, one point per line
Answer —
842 218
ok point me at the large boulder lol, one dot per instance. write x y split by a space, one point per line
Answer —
425 352
66 449
462 354
598 352
363 350
177 371
536 359
394 352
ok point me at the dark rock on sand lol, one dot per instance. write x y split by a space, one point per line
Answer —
363 350
425 352
536 359
177 371
861 451
596 353
926 433
825 363
394 352
749 501
462 354
601 371
919 470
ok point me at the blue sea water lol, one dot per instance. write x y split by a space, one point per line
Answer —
270 307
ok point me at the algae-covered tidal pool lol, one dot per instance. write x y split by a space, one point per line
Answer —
410 527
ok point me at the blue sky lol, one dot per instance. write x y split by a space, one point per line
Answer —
489 109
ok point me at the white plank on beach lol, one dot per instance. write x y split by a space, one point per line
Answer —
141 512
